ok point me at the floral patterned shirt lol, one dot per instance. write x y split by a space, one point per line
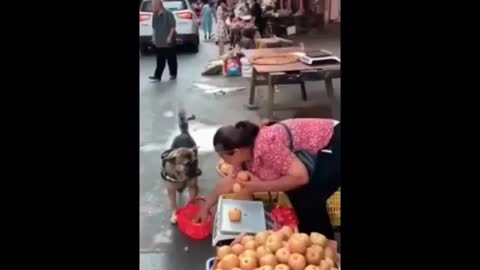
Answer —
271 154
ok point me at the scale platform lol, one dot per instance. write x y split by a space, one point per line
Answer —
253 219
320 57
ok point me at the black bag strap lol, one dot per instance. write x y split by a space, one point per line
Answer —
289 133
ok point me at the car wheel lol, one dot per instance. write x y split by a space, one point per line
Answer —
195 45
195 48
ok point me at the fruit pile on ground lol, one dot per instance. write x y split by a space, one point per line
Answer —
278 250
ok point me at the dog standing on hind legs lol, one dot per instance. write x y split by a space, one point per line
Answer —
180 166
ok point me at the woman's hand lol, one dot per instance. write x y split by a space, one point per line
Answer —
254 185
202 215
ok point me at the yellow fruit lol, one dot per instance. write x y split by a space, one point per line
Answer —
305 238
280 235
287 231
297 245
282 267
317 247
330 253
261 238
225 168
222 251
274 242
246 238
248 263
266 267
297 262
311 267
330 262
235 215
262 251
282 255
230 261
237 188
243 176
268 259
324 265
251 244
237 249
318 239
314 255
249 253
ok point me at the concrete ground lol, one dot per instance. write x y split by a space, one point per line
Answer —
161 244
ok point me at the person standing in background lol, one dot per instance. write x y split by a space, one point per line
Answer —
163 24
207 15
221 25
259 21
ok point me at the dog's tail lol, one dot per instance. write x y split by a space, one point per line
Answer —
183 121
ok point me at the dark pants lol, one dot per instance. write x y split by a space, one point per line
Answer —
163 55
310 201
260 24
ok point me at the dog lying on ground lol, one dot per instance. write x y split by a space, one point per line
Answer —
180 166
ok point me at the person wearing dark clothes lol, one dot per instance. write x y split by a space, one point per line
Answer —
256 12
247 42
163 23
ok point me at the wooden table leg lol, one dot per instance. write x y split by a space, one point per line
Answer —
304 91
270 96
330 94
251 99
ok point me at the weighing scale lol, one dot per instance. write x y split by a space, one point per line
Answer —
321 57
253 219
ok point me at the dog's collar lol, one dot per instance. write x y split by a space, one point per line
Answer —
168 178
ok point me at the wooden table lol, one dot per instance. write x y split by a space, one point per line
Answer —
295 73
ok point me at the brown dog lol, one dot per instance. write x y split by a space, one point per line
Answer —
180 171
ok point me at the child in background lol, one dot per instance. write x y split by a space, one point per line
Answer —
207 15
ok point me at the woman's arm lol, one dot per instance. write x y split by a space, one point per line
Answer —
296 176
224 186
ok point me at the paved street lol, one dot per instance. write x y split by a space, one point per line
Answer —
161 245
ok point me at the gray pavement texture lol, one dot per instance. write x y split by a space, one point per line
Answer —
161 245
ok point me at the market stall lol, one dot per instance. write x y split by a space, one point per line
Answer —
283 66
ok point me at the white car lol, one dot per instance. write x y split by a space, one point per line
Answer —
186 20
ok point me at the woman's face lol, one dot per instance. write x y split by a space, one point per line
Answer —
231 157
234 157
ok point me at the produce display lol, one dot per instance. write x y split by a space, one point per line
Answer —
278 250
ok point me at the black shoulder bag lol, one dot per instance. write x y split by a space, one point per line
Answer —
305 157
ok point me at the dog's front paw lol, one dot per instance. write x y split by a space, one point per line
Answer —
173 219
